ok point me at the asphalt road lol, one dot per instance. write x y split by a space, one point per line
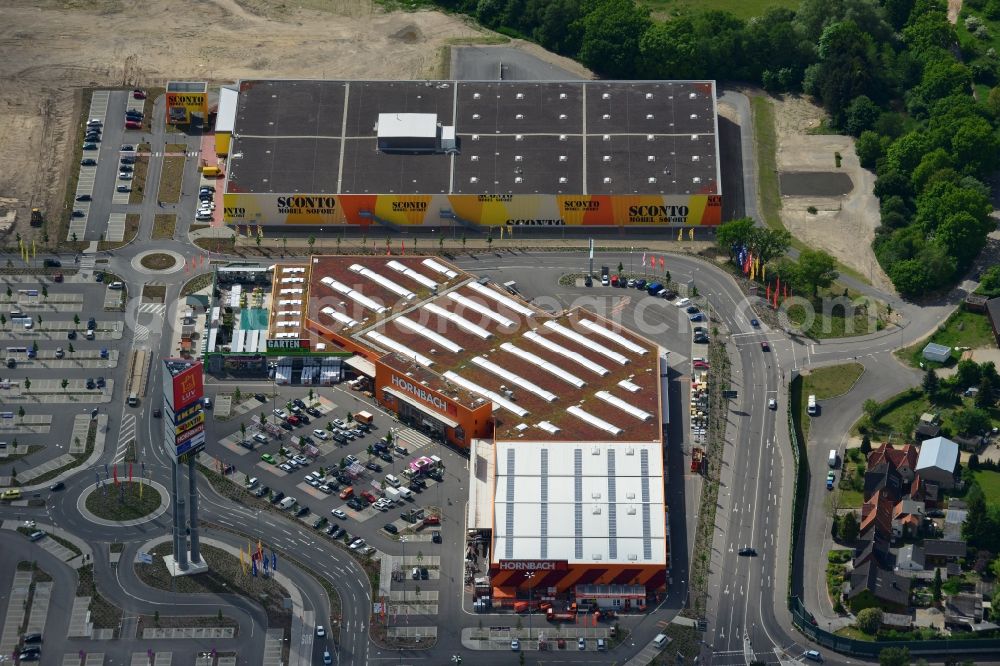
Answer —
496 63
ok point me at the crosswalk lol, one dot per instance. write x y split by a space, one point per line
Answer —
141 333
412 439
88 262
126 435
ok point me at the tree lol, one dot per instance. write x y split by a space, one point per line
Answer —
70 348
76 319
237 394
971 421
849 528
311 394
869 620
815 269
39 321
862 114
64 383
995 567
870 146
621 268
930 383
27 384
937 584
45 291
284 246
311 242
733 234
893 656
20 412
3 320
866 445
984 398
974 462
870 408
978 523
611 33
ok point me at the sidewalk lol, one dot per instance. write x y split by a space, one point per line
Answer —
102 433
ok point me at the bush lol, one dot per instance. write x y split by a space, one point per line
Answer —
869 621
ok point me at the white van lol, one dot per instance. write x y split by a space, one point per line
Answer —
832 462
814 655
252 482
811 406
660 641
405 492
287 503
392 480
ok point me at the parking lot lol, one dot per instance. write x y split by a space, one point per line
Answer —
61 361
341 489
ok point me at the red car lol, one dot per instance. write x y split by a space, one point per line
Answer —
293 420
58 277
765 347
139 94
132 124
369 497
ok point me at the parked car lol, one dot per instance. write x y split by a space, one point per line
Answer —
390 528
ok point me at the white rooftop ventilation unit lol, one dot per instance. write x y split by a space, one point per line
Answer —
339 316
517 380
593 420
584 341
556 348
503 300
629 386
354 295
440 268
496 398
540 362
459 321
399 290
412 274
624 406
436 338
548 427
614 337
481 309
393 346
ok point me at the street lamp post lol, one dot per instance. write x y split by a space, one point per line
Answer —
528 575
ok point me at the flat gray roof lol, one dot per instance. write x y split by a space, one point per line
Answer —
568 137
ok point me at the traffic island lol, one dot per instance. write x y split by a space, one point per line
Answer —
123 504
225 575
158 261
126 501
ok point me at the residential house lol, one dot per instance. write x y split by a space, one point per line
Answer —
873 547
876 515
874 586
953 521
907 518
909 560
922 491
927 430
883 476
939 552
963 609
903 460
993 312
938 461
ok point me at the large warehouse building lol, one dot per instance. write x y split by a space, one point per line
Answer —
436 154
563 414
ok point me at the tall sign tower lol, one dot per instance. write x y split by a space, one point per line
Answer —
183 438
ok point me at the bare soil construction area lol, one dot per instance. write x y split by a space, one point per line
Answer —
51 51
843 225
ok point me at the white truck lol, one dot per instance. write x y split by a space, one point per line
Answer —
393 494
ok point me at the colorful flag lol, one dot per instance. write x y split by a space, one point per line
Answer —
254 571
763 273
643 258
663 263
260 549
32 248
264 561
786 290
402 247
116 474
130 472
691 233
274 561
243 564
768 297
680 234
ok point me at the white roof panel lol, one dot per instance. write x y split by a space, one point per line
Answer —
638 511
405 125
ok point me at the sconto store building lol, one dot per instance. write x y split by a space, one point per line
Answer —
446 155
563 415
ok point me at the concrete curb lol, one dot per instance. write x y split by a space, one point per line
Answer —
102 425
81 507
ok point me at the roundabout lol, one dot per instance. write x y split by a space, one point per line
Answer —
158 261
124 505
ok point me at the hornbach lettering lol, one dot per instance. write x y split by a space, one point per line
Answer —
533 565
419 393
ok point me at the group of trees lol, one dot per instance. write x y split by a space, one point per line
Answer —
886 71
812 269
981 528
